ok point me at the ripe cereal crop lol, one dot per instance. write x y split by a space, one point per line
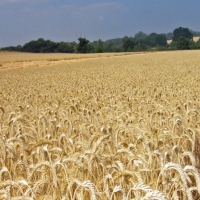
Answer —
100 127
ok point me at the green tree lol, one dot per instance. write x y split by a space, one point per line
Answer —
32 46
161 40
90 48
140 35
82 45
154 40
128 43
48 46
194 33
40 46
99 48
169 36
184 32
195 45
140 47
109 46
65 47
183 43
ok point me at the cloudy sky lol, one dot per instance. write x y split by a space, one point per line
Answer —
66 20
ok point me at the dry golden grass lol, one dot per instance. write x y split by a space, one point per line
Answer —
195 39
21 60
118 127
169 41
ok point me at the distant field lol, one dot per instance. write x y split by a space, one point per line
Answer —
100 127
18 56
18 59
195 39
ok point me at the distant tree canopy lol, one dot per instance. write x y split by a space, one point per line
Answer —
155 39
65 47
40 46
82 45
140 35
161 40
194 33
184 32
47 46
182 39
145 43
183 43
195 45
128 43
169 36
99 48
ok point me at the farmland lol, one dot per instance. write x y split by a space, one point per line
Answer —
195 39
100 126
20 60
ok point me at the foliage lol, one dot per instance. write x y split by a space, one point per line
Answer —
128 43
90 48
161 48
195 45
140 47
12 48
82 45
183 43
99 48
173 45
40 46
185 32
161 40
140 35
65 47
155 39
140 42
194 33
44 46
169 36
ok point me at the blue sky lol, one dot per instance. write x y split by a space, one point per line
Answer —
66 20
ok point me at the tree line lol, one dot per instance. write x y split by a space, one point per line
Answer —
182 38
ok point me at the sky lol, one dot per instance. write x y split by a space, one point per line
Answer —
67 20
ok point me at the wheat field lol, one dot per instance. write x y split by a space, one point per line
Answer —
22 60
108 127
